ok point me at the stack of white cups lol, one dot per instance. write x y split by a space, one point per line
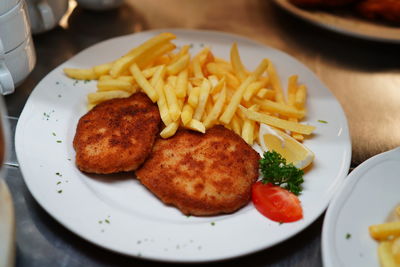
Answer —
17 53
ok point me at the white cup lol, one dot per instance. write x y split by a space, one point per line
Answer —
6 5
100 4
45 14
17 63
14 27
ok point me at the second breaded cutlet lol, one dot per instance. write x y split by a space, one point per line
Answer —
116 135
201 174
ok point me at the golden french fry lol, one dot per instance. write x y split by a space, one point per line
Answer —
278 123
198 73
213 81
158 74
171 80
187 114
143 83
396 249
265 93
301 95
196 126
179 65
237 64
105 77
292 88
162 102
248 128
181 84
170 130
253 88
203 97
279 108
123 63
276 83
98 97
385 256
398 210
149 72
173 105
119 85
217 87
148 57
81 74
128 79
184 50
102 69
212 117
236 125
193 99
237 97
384 230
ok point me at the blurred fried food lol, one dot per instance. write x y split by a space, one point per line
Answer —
322 3
378 9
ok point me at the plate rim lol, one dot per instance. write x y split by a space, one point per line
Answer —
288 7
346 160
329 253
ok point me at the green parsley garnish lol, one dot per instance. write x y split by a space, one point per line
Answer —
58 182
275 170
212 223
59 191
322 121
348 236
59 141
107 221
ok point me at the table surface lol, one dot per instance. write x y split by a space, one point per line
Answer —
363 75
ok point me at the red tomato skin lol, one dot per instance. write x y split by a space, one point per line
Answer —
276 203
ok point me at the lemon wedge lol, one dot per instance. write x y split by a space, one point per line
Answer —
289 148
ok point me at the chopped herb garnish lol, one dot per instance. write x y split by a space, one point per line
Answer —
280 223
53 133
57 82
107 221
348 236
58 174
100 222
212 223
59 141
59 96
322 121
59 191
191 45
86 81
75 82
201 45
69 159
58 182
275 170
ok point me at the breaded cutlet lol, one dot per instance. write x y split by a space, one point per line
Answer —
116 135
201 174
322 3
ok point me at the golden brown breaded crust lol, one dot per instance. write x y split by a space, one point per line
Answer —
201 174
116 135
378 9
322 3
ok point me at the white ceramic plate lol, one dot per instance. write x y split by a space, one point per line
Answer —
346 24
367 197
139 224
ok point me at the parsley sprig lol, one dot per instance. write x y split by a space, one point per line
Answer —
275 170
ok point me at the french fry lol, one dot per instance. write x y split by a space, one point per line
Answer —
162 102
283 109
102 69
212 117
253 88
265 93
148 57
398 210
184 50
301 97
173 105
128 79
396 249
384 230
119 85
248 128
193 99
196 126
158 74
81 74
105 77
181 84
170 130
187 114
198 73
385 256
237 97
143 83
237 64
98 97
149 72
292 88
276 122
276 83
179 65
203 97
236 125
123 63
171 80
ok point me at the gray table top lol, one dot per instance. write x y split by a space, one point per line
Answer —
363 75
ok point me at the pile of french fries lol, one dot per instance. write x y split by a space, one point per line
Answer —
388 235
197 92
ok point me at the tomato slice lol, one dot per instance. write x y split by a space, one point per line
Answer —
276 203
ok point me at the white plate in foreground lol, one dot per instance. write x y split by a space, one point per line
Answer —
349 24
119 213
367 197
